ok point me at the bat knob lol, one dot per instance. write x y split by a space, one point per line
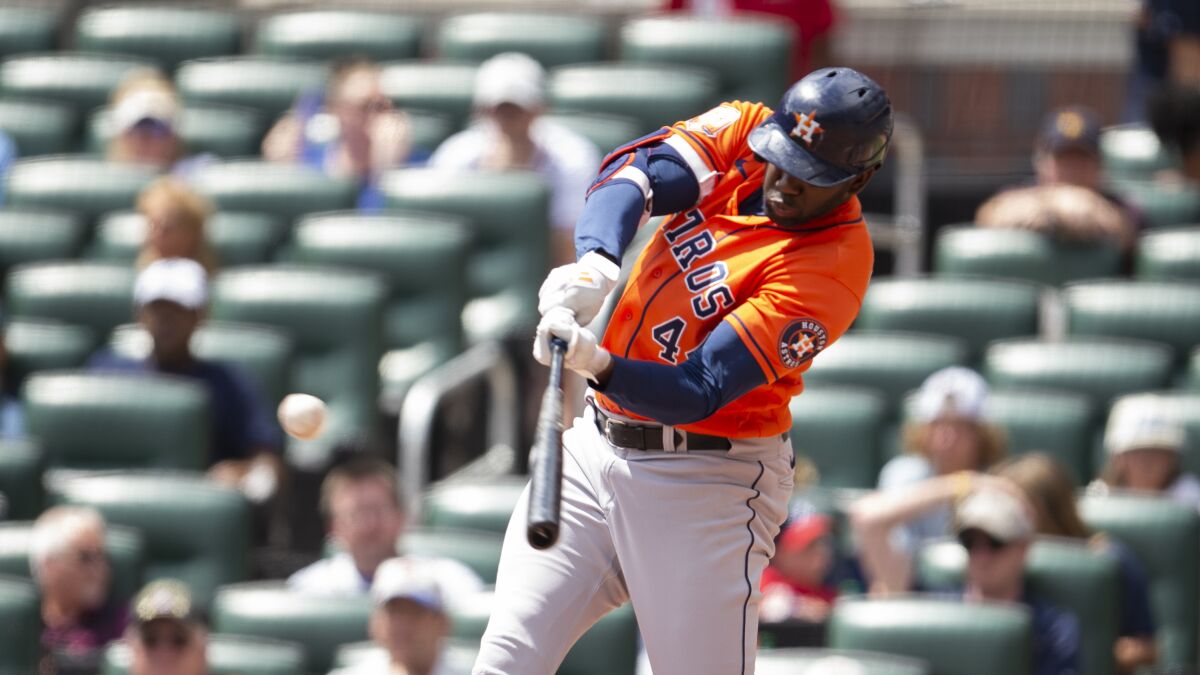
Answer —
542 535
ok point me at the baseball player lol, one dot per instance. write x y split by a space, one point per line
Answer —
677 476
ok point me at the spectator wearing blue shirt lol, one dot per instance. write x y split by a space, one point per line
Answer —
8 155
12 418
171 296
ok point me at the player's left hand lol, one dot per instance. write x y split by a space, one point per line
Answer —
584 355
580 287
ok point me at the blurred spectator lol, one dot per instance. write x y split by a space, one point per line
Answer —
812 22
795 585
12 416
1175 117
350 130
71 568
509 133
409 622
1051 492
1167 51
167 636
175 216
1068 201
1144 445
171 296
361 503
145 112
8 155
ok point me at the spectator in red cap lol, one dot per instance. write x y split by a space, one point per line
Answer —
795 584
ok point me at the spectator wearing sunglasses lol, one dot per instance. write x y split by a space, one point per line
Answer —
144 118
167 636
71 568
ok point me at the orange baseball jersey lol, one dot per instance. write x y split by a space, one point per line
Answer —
788 293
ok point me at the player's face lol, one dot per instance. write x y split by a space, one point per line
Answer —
790 201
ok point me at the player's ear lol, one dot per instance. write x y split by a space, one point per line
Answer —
860 181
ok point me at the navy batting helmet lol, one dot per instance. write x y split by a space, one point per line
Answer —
830 127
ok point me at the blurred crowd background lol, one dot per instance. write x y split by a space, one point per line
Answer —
208 205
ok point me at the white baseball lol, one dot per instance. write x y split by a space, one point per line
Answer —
302 416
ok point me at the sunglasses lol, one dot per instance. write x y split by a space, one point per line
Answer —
175 639
972 539
91 557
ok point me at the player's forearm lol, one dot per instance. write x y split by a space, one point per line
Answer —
609 220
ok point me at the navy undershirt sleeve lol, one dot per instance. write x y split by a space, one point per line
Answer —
718 372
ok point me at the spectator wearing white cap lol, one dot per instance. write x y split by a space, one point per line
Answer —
510 133
171 297
145 112
1144 441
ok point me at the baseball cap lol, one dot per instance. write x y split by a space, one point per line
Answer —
408 579
145 105
1142 421
951 391
178 280
805 524
995 512
510 77
1071 128
164 599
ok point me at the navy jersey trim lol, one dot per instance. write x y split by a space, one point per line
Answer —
746 561
766 359
645 309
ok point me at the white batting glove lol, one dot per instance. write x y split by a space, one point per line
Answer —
580 287
584 355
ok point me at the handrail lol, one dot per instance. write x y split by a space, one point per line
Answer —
910 196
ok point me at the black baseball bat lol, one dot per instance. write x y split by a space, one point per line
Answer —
545 458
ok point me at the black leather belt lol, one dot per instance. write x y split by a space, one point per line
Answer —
650 436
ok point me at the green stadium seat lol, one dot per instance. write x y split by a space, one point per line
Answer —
335 318
975 311
1169 254
606 132
27 29
22 463
168 35
81 80
654 95
31 235
445 87
195 530
320 624
266 84
222 130
1065 573
477 549
1099 368
428 130
34 345
1060 424
954 637
284 191
750 55
508 214
151 421
839 429
21 616
801 661
551 39
1165 536
472 505
226 655
1192 381
124 545
1163 205
331 34
458 656
98 296
86 185
39 127
1167 312
237 238
1020 254
1133 151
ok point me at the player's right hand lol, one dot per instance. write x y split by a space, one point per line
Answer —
580 287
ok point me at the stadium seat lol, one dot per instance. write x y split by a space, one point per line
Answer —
1098 368
751 55
551 39
335 317
1167 312
195 530
148 421
226 655
1060 424
1169 254
1020 254
284 191
1065 573
81 80
975 311
606 132
955 638
265 84
316 622
21 616
477 549
85 185
428 130
222 130
802 661
654 95
31 235
35 345
168 35
124 545
445 87
1184 407
1162 205
263 353
27 29
22 463
39 127
237 238
1165 536
1132 151
98 296
508 215
331 34
838 429
1192 380
472 505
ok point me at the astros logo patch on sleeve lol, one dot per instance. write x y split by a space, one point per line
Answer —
712 122
801 341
